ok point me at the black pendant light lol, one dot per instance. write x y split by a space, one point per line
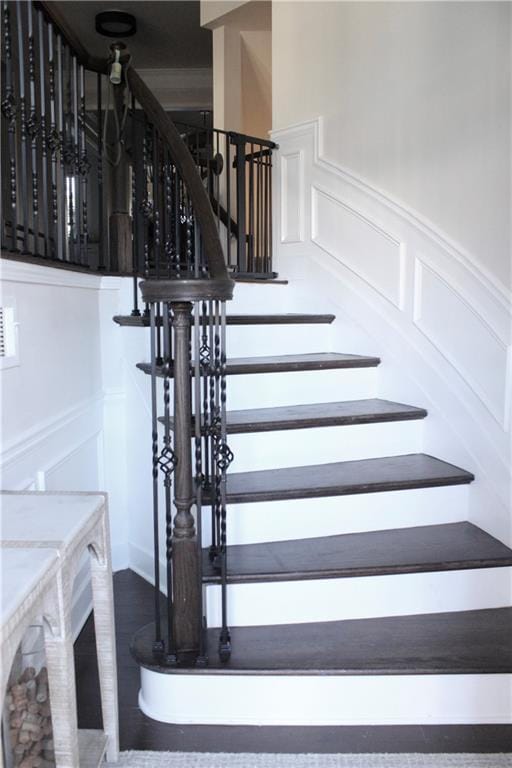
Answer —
116 24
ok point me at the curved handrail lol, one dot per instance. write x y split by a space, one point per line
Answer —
185 164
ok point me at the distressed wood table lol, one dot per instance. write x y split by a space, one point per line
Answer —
43 537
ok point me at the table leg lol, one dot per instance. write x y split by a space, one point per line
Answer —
61 680
103 603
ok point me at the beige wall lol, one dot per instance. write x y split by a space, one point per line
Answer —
416 99
242 67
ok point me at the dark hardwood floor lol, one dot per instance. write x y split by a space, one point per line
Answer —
133 607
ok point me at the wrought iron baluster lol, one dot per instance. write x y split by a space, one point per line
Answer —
156 201
44 137
99 171
199 478
270 215
9 109
83 169
54 139
223 459
250 260
158 645
228 199
135 214
167 463
23 178
59 190
78 242
33 127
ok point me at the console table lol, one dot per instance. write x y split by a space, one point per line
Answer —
43 537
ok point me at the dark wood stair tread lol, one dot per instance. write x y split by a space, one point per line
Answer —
448 547
416 470
318 361
253 319
319 415
461 642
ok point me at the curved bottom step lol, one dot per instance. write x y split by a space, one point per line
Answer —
322 701
431 668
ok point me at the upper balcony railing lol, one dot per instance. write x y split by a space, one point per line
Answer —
97 176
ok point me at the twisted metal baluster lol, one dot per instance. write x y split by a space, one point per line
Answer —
9 109
135 217
158 645
168 241
54 143
99 170
167 463
223 458
33 127
199 478
156 201
83 168
23 128
44 153
58 170
213 431
78 242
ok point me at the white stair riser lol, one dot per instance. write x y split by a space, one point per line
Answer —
298 602
252 340
330 700
266 390
249 298
303 518
289 448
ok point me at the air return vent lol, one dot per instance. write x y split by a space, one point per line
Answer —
8 336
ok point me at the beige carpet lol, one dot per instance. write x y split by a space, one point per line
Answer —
245 760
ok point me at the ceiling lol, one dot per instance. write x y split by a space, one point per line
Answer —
168 34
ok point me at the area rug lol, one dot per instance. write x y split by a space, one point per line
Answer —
246 760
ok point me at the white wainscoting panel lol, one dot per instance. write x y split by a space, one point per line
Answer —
292 196
463 336
359 243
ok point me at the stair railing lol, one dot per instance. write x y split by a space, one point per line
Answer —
59 179
185 291
237 172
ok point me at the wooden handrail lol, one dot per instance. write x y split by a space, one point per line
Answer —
184 162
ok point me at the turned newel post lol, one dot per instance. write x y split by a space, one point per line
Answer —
185 562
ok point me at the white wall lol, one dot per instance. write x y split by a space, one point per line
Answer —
416 99
242 65
62 404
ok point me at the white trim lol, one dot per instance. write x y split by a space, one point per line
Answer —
29 439
501 293
40 274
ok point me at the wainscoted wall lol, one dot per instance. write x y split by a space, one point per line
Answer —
440 321
63 402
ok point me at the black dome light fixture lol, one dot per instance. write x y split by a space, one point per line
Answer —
115 24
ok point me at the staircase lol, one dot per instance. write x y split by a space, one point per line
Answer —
318 568
341 610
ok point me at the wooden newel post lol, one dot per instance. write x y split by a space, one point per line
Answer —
185 563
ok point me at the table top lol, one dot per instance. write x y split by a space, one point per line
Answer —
23 571
45 519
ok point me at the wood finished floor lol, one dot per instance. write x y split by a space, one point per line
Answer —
133 608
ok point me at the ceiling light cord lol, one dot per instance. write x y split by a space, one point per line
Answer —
117 144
